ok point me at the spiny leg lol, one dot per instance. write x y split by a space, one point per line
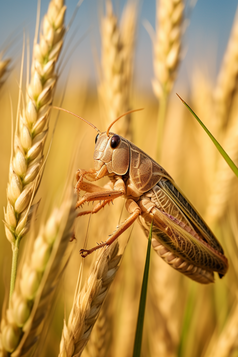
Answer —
89 187
96 208
109 192
134 211
99 196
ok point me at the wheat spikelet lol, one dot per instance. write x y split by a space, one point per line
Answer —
87 303
227 78
101 334
27 162
224 178
4 67
41 272
167 44
117 56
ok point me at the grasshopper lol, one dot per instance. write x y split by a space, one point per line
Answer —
179 234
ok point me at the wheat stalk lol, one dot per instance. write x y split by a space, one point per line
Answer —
26 165
116 66
4 67
35 286
167 54
88 302
225 344
224 178
227 78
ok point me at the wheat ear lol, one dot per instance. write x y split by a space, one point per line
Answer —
116 66
35 286
101 334
88 302
167 53
26 165
227 78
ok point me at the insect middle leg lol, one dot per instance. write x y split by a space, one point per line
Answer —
134 211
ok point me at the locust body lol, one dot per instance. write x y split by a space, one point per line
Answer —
180 236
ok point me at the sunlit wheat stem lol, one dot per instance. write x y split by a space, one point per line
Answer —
40 274
226 343
88 302
4 67
32 127
224 179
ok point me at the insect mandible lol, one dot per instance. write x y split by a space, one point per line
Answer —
179 234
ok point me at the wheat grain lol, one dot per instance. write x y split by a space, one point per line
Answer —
87 303
27 162
41 272
227 78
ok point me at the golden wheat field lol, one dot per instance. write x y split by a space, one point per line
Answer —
54 302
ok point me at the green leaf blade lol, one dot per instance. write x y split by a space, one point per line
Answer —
142 305
216 143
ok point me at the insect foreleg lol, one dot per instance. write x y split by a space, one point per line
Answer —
92 174
95 209
134 211
90 187
99 196
104 193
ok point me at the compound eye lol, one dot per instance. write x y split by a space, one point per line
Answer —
115 141
96 139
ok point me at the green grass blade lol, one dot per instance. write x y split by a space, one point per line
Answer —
141 312
216 143
188 314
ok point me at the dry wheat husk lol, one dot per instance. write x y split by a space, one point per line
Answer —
88 302
101 336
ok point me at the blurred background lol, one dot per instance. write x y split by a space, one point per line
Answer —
205 43
183 318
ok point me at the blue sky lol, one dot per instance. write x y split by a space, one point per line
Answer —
206 38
